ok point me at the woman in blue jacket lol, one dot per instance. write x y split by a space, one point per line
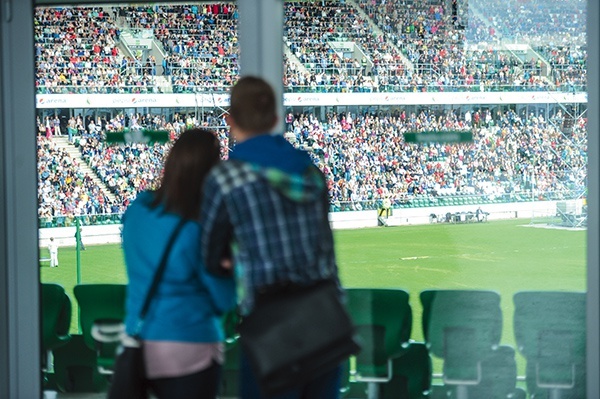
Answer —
182 331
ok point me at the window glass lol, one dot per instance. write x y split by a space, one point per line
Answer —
453 135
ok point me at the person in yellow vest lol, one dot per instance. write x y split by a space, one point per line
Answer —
386 208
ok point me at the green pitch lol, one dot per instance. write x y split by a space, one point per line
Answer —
504 256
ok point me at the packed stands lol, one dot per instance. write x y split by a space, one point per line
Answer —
397 46
127 169
77 51
200 42
364 158
539 21
342 46
64 191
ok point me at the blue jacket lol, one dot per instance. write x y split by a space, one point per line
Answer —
189 302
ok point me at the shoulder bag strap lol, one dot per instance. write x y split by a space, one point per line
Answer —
158 275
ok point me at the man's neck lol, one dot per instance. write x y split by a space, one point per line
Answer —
242 135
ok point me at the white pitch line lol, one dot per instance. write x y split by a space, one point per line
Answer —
415 257
430 269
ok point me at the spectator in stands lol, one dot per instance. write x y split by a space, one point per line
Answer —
56 125
183 334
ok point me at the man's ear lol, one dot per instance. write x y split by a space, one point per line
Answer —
229 120
275 121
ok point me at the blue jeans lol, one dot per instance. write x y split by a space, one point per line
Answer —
326 386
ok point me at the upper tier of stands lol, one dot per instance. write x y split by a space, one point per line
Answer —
342 46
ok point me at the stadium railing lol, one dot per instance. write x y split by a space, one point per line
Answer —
407 201
432 87
213 87
84 220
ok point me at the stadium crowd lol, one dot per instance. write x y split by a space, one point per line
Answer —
364 157
200 40
64 191
127 169
405 45
77 50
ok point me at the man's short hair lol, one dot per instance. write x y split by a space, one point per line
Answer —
252 105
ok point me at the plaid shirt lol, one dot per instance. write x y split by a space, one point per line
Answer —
278 223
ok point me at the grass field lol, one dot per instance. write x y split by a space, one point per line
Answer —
504 256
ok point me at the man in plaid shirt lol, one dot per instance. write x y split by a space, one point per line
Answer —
265 210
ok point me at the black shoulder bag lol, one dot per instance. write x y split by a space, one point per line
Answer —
297 333
129 379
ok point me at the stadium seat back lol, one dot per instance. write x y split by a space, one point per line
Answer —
383 318
550 332
56 322
461 327
230 382
102 313
75 368
411 374
56 316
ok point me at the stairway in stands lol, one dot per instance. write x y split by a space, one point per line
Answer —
409 65
74 153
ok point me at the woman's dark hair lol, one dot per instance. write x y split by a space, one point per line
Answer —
194 153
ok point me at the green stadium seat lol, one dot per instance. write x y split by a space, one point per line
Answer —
345 378
550 331
499 375
102 311
231 321
231 367
75 368
411 374
355 390
383 319
230 386
56 321
464 327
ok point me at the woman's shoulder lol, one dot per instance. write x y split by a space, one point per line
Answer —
144 197
142 200
140 207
